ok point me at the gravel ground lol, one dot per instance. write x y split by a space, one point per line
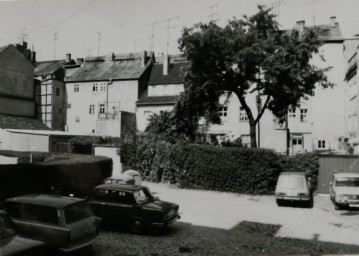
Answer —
215 223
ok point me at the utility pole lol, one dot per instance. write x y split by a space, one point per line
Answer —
55 38
152 44
213 14
168 30
98 42
23 36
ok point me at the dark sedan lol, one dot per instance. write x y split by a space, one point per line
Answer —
11 244
131 206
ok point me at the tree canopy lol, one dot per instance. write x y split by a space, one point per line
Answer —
249 55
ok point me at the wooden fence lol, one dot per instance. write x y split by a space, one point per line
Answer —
329 164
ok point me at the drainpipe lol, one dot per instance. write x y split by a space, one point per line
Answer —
109 82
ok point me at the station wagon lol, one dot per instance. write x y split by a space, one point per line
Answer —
63 223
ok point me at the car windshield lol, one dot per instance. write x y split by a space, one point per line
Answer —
292 182
143 195
347 182
6 229
76 212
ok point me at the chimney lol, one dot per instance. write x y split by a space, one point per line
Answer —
110 57
143 59
33 56
166 64
300 25
68 57
333 21
24 44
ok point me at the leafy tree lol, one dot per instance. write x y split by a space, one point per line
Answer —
248 56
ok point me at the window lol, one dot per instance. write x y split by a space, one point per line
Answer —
69 105
57 91
39 213
222 112
303 115
103 87
321 143
92 109
94 88
77 119
242 114
60 110
102 108
76 212
291 112
76 88
297 140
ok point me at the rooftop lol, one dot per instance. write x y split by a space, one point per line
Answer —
46 200
115 67
48 67
157 100
176 73
18 122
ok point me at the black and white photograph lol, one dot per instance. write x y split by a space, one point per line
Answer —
179 127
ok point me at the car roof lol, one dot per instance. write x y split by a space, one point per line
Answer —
55 201
122 187
345 174
292 174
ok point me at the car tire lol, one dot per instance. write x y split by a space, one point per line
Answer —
137 227
310 203
337 206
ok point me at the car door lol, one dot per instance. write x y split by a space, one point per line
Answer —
97 202
118 208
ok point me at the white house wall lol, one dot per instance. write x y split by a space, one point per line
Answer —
120 95
28 142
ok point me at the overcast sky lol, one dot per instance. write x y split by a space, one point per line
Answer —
125 25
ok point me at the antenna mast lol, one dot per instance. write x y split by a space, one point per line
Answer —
55 38
98 43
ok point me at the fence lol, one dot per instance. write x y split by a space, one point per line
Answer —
329 164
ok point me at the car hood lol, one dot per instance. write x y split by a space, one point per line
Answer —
347 190
161 205
16 245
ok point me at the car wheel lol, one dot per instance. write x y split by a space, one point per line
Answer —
337 206
138 227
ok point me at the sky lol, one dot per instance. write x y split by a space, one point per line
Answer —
99 27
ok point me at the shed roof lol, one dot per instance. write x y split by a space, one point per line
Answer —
157 100
19 122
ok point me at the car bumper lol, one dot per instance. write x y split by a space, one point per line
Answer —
166 222
80 243
293 198
350 203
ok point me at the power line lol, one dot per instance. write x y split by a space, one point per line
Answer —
65 19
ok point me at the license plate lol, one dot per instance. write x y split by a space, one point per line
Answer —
354 205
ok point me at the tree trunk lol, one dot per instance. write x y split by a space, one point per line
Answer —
252 133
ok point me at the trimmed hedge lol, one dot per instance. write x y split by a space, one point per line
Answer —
240 170
52 173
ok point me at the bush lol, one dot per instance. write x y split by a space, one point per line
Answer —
234 169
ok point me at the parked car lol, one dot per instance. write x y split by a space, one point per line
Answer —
128 177
344 190
293 187
131 206
12 244
63 223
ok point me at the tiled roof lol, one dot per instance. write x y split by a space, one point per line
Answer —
175 75
48 67
4 47
123 66
158 100
17 122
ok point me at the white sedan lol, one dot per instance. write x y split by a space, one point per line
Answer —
344 190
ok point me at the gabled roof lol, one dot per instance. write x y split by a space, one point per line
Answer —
157 100
48 67
18 122
176 73
120 67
